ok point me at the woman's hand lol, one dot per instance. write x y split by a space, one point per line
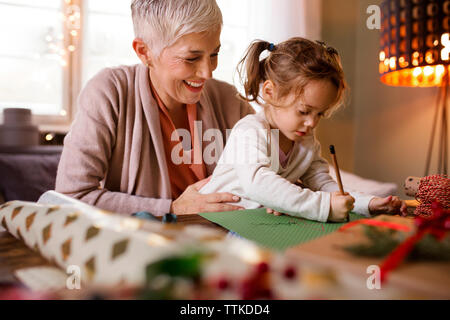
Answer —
193 202
388 205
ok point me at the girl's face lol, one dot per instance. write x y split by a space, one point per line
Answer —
297 118
180 72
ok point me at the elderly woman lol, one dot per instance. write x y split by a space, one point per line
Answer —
121 152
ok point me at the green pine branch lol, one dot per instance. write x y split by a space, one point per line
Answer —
382 242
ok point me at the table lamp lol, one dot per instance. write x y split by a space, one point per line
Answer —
415 49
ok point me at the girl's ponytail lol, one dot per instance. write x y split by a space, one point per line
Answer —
251 70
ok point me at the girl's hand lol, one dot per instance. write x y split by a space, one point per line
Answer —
275 213
340 206
193 202
389 205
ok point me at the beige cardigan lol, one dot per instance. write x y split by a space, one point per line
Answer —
113 156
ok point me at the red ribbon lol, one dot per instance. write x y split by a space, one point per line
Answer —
437 225
376 223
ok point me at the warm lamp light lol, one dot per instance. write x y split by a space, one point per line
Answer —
415 52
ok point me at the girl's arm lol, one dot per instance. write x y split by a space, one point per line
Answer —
317 177
247 154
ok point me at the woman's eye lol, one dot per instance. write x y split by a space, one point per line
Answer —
214 55
191 59
303 113
321 114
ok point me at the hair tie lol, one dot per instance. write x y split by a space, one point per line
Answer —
322 43
330 50
271 47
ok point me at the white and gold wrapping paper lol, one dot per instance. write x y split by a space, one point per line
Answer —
108 248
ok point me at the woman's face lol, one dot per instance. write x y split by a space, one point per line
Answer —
180 72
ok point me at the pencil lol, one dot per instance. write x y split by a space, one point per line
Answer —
336 168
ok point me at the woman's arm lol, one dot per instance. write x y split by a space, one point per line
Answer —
88 148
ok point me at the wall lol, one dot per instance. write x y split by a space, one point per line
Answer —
338 30
383 134
270 20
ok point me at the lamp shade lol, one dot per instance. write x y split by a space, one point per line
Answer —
415 44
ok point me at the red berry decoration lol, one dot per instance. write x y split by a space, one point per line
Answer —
266 293
248 289
223 284
290 273
262 267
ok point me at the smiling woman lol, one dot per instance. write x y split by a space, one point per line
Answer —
179 73
117 153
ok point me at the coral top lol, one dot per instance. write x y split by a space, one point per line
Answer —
186 164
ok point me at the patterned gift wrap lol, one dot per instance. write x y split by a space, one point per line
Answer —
108 248
111 249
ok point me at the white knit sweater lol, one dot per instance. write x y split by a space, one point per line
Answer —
250 169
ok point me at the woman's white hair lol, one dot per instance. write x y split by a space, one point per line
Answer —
160 23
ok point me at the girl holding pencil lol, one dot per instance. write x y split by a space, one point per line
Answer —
300 81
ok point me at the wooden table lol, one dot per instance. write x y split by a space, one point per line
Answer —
14 254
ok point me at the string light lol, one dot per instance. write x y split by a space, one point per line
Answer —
56 43
72 17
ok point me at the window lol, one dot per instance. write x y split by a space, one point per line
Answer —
30 60
53 47
108 37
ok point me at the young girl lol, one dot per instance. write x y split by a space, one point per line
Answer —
300 81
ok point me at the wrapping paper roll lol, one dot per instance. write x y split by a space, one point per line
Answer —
108 248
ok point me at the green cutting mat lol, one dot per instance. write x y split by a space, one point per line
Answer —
273 232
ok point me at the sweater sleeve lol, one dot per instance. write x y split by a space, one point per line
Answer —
317 177
88 148
260 183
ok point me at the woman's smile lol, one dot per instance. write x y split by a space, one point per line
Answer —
194 86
